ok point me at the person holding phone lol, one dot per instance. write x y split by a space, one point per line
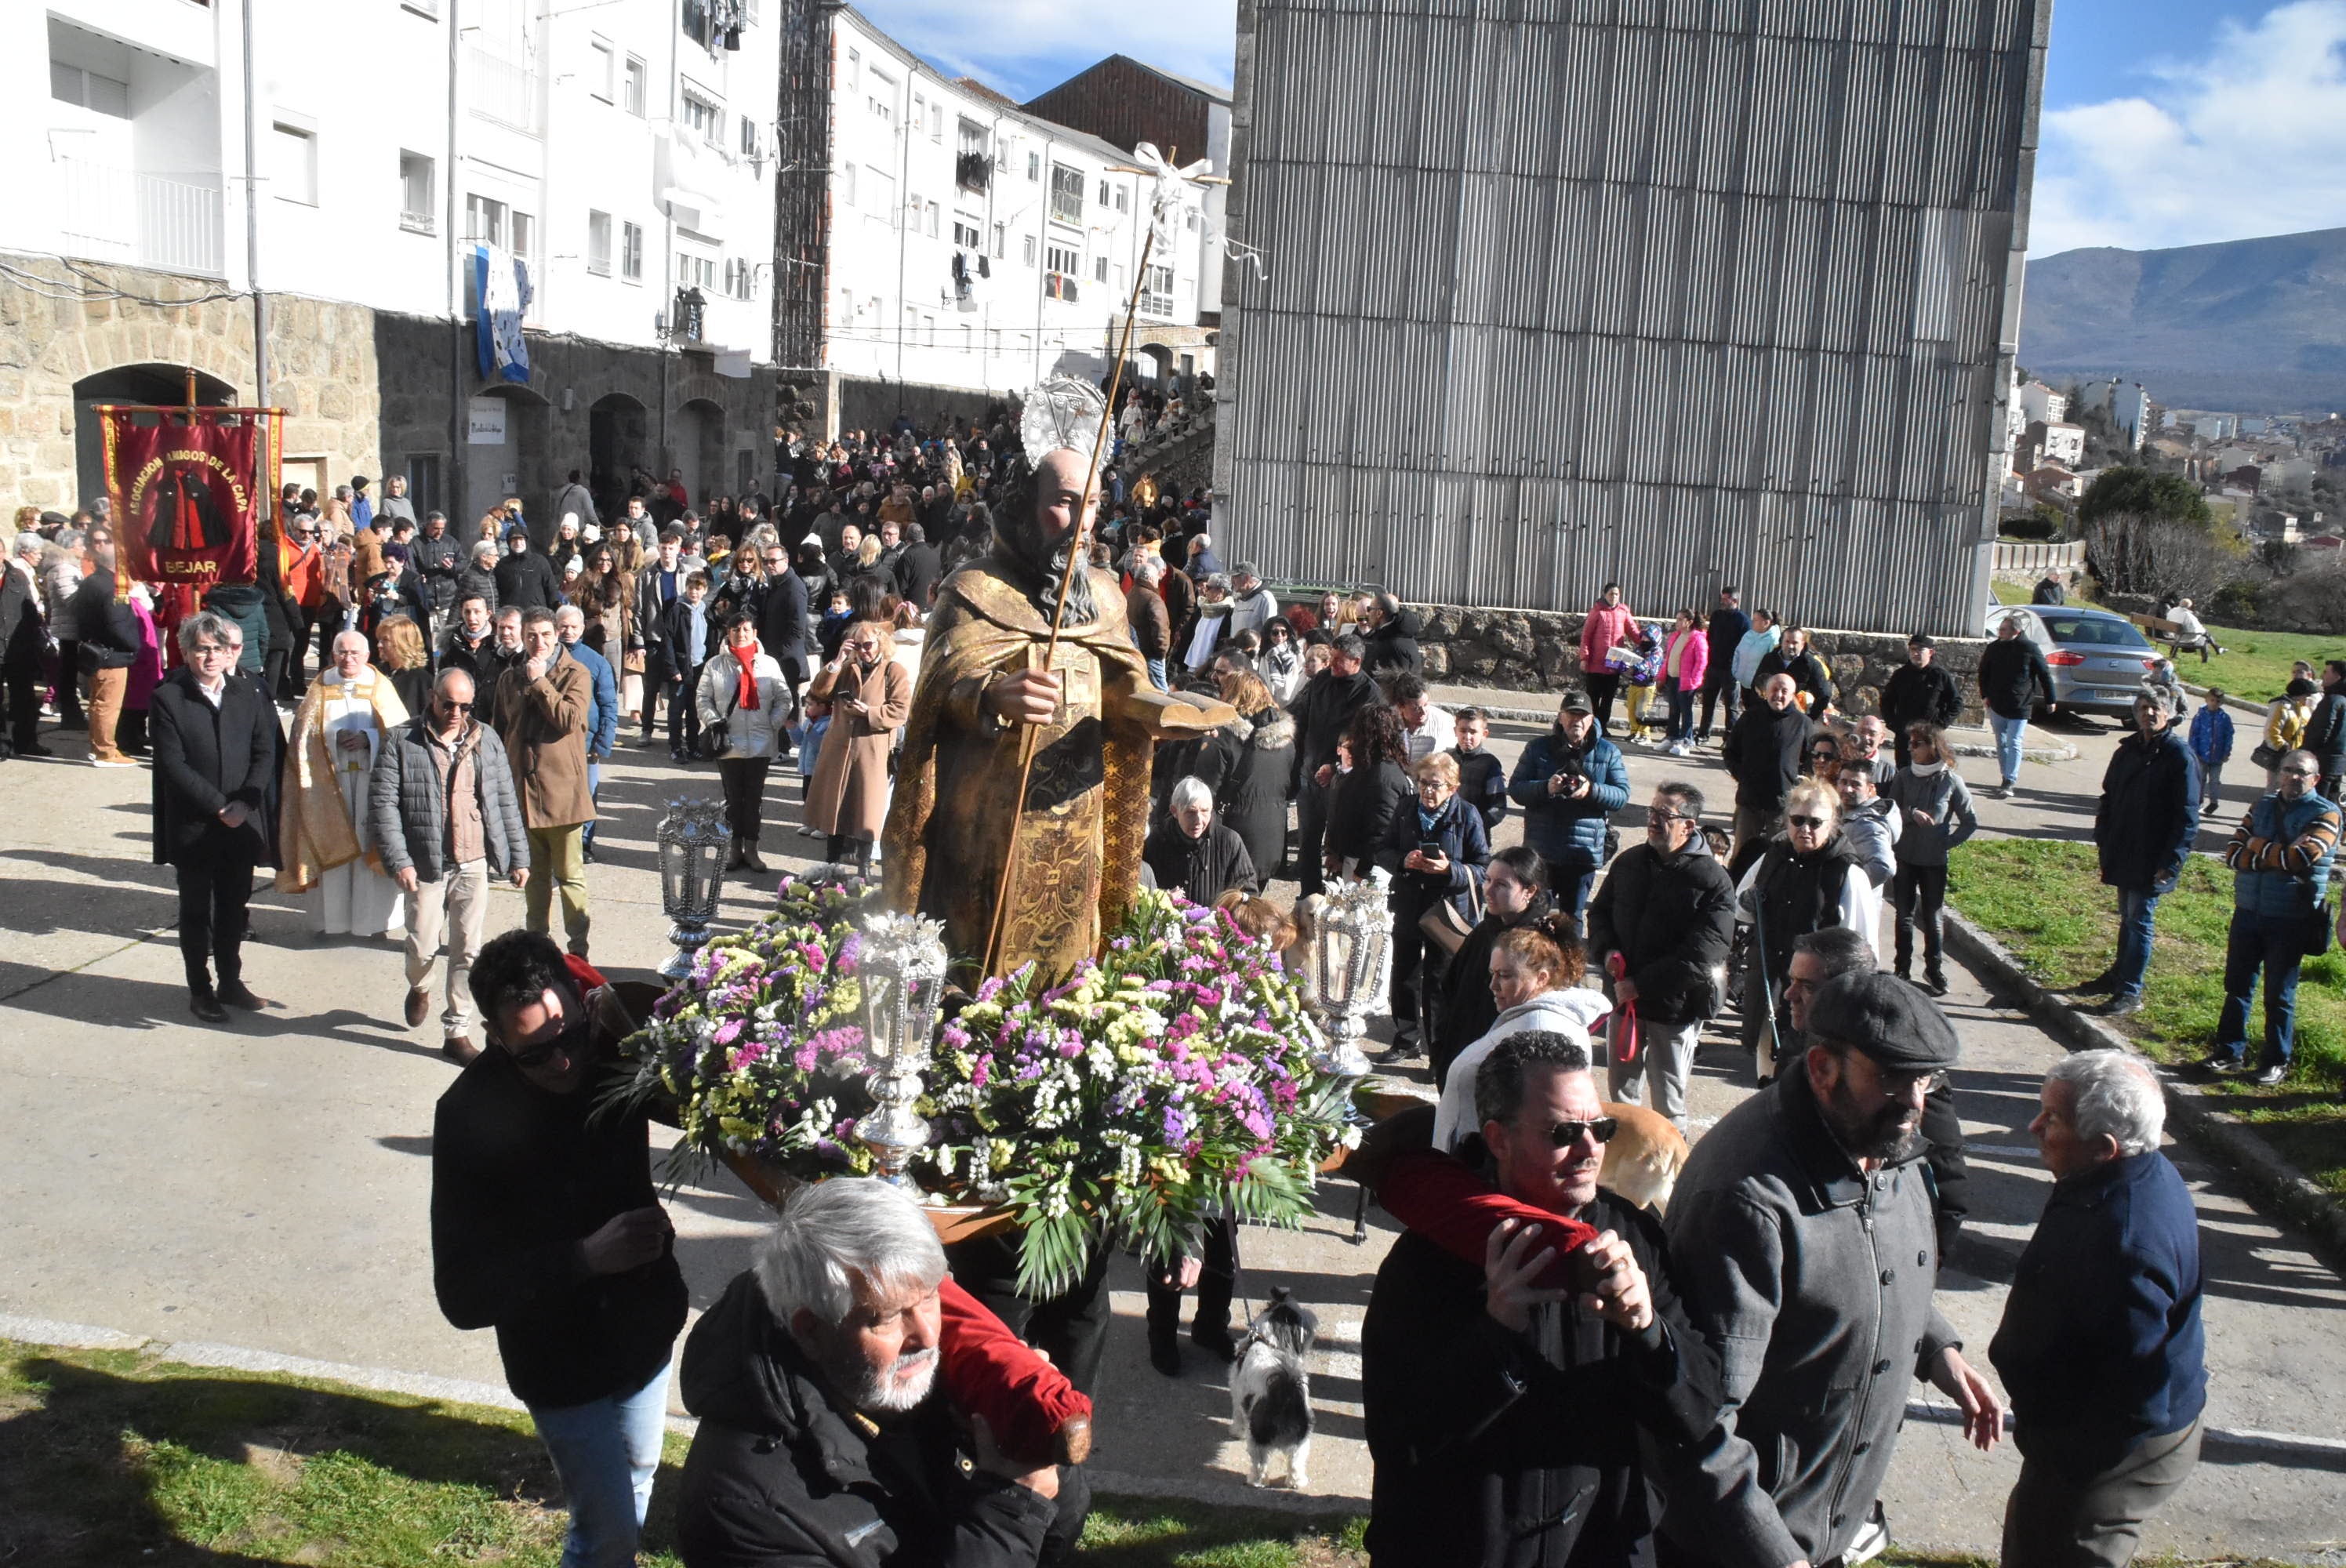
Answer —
871 695
1437 854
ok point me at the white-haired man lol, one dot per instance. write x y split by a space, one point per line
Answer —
2102 1348
821 1439
1191 851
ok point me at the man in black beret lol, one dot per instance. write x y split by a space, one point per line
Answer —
1803 1235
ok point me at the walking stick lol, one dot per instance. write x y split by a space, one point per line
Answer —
1077 553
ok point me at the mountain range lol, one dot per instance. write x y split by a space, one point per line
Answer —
2251 326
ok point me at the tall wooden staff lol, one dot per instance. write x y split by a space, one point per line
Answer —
1078 554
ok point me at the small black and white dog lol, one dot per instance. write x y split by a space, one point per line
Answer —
1271 1391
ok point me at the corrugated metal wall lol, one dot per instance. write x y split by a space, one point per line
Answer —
1675 292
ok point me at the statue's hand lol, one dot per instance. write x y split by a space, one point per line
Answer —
1029 696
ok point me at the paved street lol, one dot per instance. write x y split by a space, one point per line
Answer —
265 1185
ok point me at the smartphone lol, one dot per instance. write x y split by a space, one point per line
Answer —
1430 847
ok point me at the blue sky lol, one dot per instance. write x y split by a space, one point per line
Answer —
2167 122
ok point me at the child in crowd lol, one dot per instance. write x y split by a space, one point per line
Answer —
1482 778
2211 743
809 733
836 619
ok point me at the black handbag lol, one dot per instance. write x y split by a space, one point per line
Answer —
717 740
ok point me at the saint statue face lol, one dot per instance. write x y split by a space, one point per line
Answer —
1059 498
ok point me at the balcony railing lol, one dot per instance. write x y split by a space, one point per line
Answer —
145 220
509 92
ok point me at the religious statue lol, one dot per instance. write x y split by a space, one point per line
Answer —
995 692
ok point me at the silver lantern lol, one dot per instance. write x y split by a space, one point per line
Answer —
901 968
1355 934
692 840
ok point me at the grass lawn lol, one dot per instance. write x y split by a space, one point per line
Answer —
112 1458
2045 900
2253 667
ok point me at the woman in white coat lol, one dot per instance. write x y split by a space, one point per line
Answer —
742 691
1536 974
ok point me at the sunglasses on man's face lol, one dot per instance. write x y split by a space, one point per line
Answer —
569 1042
448 706
1564 1134
1811 823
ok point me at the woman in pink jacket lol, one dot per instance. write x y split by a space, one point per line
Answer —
1609 622
1686 657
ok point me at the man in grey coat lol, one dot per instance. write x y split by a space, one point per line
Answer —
446 819
1802 1233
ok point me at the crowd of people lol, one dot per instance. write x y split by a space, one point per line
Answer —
468 691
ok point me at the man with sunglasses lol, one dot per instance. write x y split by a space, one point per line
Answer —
1510 1416
446 819
545 1226
1804 1240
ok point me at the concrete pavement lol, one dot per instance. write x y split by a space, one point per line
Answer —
265 1185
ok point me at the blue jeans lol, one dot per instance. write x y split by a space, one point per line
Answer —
1569 882
2276 946
606 1452
1157 675
2135 911
2009 734
1681 712
594 796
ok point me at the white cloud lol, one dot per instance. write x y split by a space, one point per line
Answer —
2243 143
1022 47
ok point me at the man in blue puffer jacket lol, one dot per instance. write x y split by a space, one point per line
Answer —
1568 781
2280 856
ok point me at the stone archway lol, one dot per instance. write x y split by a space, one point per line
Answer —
160 384
618 442
696 445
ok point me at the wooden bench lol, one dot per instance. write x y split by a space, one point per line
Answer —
2176 640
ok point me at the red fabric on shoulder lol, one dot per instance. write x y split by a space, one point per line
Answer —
989 1371
587 975
1454 1207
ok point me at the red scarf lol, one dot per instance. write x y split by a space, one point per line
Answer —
747 658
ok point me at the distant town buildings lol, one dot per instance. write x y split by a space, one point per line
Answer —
964 245
713 218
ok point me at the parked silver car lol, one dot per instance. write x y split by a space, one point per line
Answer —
2098 659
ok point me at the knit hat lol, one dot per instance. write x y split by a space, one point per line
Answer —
1887 1018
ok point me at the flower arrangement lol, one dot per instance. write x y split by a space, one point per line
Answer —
760 1048
1126 1104
1123 1107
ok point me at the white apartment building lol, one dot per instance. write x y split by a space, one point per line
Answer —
337 187
973 246
2064 444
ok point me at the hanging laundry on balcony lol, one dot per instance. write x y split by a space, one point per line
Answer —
964 284
501 293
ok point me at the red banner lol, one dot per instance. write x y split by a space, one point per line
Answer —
189 486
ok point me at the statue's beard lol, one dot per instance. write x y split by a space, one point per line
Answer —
1080 608
1045 569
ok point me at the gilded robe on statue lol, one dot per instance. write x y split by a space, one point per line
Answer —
1085 813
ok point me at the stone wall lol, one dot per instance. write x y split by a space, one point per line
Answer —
550 422
1538 652
862 403
68 323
